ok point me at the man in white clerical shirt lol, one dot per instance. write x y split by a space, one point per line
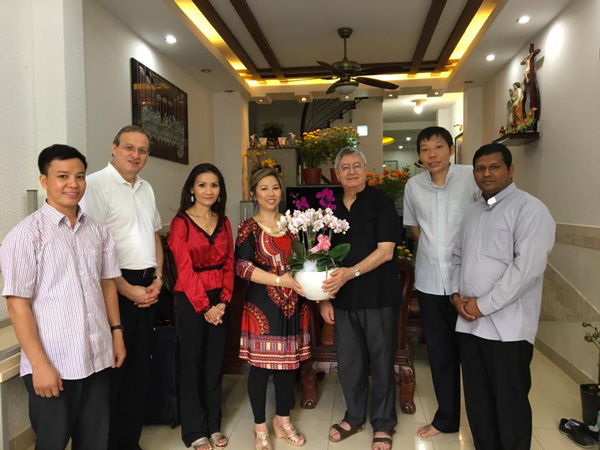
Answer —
497 275
117 197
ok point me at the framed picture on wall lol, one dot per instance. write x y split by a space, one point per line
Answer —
392 165
160 108
458 142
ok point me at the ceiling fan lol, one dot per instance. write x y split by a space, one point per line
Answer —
349 72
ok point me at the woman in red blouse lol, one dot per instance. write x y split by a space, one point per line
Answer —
202 245
274 336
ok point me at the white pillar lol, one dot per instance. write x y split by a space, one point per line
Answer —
473 123
230 115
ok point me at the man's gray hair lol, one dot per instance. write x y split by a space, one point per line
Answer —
349 151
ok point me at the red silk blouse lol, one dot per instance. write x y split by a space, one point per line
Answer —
204 262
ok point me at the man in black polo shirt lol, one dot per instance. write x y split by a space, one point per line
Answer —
365 297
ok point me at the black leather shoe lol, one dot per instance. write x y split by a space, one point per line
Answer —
576 431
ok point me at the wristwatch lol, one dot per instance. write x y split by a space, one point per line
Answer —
356 271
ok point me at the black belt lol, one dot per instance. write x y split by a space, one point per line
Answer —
141 273
204 269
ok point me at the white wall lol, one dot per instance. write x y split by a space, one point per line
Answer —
231 141
108 45
561 169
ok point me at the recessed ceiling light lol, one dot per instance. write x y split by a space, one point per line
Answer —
400 147
490 57
303 99
408 138
390 95
347 96
524 19
260 100
436 93
205 70
170 39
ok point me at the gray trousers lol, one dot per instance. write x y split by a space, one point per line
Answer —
366 341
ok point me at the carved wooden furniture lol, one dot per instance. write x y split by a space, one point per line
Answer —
324 355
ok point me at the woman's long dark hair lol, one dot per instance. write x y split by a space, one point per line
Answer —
186 195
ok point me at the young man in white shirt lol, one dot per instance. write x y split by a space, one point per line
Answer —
118 198
434 205
59 267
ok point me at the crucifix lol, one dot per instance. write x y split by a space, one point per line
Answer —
531 91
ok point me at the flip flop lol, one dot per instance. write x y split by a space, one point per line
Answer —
345 433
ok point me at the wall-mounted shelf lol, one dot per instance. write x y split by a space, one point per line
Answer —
513 139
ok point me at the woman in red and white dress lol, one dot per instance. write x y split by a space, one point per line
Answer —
275 320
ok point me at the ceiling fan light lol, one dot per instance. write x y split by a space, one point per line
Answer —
419 109
346 88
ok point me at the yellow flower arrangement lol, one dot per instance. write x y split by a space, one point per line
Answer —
319 146
404 252
255 158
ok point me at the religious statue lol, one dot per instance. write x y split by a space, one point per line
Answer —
509 114
531 94
517 105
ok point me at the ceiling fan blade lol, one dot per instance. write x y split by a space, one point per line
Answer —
331 89
376 83
380 70
332 68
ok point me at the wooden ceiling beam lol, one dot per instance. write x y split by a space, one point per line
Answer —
431 22
218 24
459 29
249 20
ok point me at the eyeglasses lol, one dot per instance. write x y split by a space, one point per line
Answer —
357 167
131 149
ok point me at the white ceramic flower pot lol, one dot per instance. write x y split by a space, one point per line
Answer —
311 284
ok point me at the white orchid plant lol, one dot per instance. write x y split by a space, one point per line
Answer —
313 252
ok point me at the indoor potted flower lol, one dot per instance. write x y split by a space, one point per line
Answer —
391 182
256 161
313 152
590 393
337 138
314 257
271 131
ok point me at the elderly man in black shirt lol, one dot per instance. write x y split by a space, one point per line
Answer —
365 296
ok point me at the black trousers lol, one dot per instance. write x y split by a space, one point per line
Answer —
439 320
257 391
497 380
79 413
366 340
129 383
202 347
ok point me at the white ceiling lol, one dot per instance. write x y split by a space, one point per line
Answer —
300 32
402 109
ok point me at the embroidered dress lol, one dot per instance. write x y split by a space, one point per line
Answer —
274 320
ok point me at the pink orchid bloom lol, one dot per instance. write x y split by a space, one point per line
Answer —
324 244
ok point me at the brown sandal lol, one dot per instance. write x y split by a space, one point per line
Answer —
345 433
384 439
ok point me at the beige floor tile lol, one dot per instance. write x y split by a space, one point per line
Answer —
553 439
553 395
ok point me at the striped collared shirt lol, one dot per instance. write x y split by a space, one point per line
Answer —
59 269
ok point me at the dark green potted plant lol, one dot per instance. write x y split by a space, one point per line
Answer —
590 393
272 130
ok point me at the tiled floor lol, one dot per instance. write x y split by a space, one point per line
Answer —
554 395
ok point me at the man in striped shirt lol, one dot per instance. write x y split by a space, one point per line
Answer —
59 267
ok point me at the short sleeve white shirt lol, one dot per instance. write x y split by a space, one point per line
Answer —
438 212
128 211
